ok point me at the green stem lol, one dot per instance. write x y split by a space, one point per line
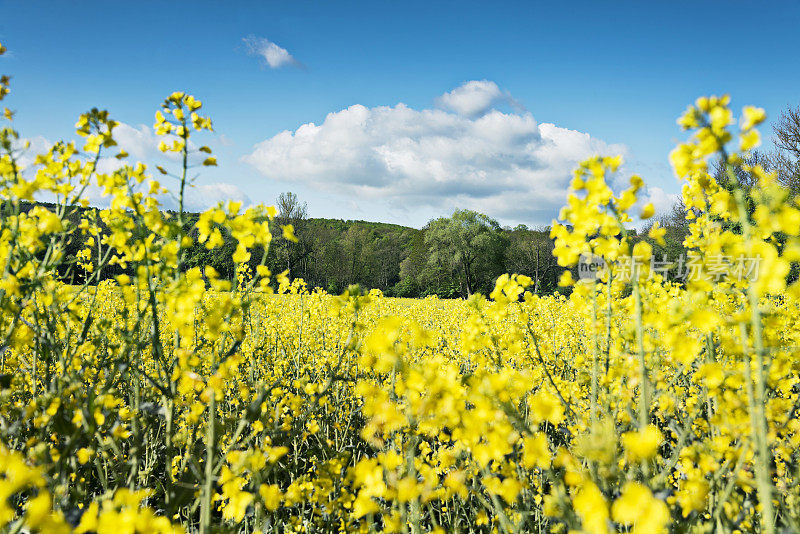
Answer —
205 510
595 355
644 397
757 411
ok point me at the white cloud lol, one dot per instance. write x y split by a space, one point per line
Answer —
504 164
475 98
142 145
224 140
662 201
138 141
274 55
203 196
35 145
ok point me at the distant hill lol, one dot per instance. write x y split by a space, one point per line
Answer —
334 253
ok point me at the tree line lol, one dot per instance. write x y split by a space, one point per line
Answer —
463 254
449 257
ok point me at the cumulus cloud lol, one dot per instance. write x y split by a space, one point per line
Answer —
474 98
142 145
274 55
662 201
203 196
504 164
138 141
35 145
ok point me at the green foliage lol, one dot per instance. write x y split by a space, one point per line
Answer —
469 246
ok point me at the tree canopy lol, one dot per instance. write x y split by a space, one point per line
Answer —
469 246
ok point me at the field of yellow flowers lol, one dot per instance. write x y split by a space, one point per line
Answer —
173 400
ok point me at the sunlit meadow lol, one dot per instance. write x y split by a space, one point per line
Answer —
175 400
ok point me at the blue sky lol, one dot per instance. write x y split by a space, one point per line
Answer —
551 82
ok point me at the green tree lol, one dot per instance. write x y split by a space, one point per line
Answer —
787 143
470 245
290 255
530 252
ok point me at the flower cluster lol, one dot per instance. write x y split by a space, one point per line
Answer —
158 396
